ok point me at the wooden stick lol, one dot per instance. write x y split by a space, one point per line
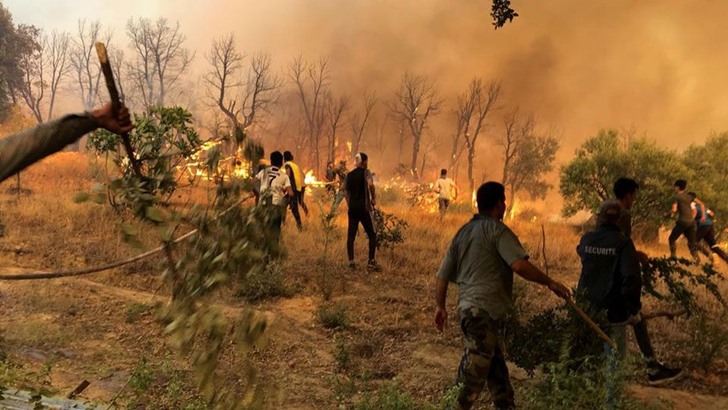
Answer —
79 389
591 323
571 302
116 103
664 313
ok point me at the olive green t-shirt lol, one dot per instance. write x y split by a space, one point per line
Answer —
479 260
684 212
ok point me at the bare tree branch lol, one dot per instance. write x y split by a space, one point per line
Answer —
415 101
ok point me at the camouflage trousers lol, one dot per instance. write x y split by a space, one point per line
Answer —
483 362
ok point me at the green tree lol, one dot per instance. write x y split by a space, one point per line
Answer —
709 166
15 42
587 180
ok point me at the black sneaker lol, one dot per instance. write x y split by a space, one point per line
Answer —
373 266
352 265
662 375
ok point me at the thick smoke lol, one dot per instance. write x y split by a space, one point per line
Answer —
657 65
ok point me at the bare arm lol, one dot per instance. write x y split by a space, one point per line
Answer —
20 150
440 298
531 273
373 191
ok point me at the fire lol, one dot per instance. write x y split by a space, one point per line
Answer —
515 210
349 146
310 180
234 165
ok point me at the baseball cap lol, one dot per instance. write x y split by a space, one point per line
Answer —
609 212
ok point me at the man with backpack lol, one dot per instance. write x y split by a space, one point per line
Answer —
275 188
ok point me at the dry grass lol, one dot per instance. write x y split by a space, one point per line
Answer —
388 332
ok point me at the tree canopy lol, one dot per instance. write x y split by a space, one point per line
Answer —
587 180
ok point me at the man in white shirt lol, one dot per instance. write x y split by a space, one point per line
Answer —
275 188
447 191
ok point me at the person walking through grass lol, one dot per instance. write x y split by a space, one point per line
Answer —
297 185
446 190
361 198
625 190
706 232
685 224
481 259
275 188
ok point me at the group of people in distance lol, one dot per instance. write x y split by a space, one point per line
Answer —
484 254
695 222
282 190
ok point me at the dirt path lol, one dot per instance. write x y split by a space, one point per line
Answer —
679 399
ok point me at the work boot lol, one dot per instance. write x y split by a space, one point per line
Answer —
373 266
662 374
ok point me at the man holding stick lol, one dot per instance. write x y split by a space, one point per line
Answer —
24 148
481 259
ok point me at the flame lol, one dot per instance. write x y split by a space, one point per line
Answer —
514 211
232 166
349 146
310 180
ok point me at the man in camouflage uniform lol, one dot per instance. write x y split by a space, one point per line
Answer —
481 259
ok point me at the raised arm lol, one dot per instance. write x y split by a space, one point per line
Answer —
22 149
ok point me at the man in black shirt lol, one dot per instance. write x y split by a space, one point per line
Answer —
361 197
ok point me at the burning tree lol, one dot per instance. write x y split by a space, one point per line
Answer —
415 102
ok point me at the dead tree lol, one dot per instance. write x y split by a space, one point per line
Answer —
414 103
159 58
472 110
335 110
241 100
527 156
85 63
359 122
312 82
223 78
44 69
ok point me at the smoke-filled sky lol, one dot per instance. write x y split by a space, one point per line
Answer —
655 65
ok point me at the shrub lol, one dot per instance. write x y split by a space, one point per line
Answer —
136 311
707 340
268 283
332 317
387 398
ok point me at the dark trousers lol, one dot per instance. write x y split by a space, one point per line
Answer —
707 234
300 196
642 336
273 232
483 362
689 230
365 218
443 204
293 204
